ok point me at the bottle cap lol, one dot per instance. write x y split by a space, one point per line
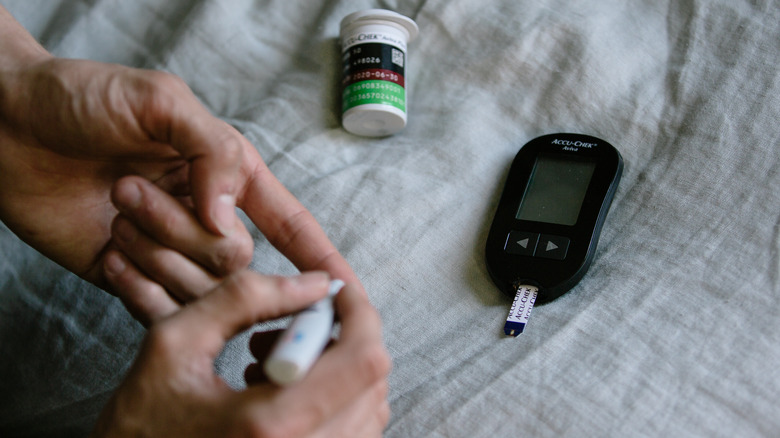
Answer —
380 16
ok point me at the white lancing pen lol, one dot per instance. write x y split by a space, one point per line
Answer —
303 341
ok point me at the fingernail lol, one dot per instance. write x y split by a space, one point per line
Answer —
312 280
224 214
124 231
114 265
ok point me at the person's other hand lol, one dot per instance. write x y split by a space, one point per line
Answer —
70 128
172 391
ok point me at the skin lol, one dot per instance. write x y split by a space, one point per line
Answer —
172 389
345 393
70 129
121 176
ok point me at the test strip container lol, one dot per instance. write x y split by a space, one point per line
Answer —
373 44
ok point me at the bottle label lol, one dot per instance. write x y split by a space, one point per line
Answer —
373 73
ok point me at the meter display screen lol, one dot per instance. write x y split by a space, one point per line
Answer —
556 190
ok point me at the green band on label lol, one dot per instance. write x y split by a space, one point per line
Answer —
380 92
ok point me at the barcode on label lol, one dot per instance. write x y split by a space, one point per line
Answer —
398 57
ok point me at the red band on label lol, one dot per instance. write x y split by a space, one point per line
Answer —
373 74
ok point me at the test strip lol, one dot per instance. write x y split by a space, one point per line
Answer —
303 341
521 310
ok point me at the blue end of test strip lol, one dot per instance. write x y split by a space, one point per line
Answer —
513 328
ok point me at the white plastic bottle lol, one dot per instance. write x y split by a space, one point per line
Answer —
373 44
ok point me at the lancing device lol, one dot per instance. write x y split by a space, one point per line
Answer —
303 341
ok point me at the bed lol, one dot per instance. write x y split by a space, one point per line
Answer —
674 331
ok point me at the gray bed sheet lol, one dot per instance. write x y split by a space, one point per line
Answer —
674 331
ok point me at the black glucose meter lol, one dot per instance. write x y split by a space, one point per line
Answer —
547 224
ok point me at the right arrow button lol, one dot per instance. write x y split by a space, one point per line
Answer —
552 247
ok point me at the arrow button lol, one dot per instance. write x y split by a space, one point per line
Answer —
553 247
521 243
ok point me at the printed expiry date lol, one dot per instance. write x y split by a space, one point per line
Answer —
375 74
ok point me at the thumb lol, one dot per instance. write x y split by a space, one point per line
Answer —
244 299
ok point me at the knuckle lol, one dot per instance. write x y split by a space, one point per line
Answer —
169 225
244 252
232 146
248 289
232 254
238 284
282 283
162 339
161 92
134 297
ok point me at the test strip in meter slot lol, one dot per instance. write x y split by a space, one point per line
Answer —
547 224
520 310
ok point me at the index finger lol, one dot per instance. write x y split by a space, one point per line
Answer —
290 227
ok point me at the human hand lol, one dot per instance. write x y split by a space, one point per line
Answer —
163 257
69 129
172 390
164 264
